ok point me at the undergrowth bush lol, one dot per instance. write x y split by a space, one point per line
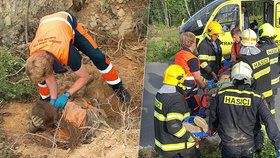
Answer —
162 44
13 81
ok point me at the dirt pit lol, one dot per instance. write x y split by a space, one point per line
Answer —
120 139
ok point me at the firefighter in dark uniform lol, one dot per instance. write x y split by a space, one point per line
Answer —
171 138
267 44
235 112
260 64
210 52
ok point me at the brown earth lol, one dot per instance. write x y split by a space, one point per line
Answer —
117 28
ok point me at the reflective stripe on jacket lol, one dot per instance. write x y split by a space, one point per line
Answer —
171 137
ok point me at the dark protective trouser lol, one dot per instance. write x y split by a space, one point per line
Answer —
238 151
186 153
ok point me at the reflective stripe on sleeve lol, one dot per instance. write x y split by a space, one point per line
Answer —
267 93
203 57
173 147
171 116
275 80
274 61
181 132
273 111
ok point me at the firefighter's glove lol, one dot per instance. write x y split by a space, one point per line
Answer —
277 153
200 134
202 112
62 100
211 82
52 101
227 63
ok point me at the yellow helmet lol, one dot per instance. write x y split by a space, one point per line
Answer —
248 38
266 29
214 28
174 75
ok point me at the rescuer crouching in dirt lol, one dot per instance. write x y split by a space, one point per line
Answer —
172 139
210 52
190 63
54 47
267 44
235 113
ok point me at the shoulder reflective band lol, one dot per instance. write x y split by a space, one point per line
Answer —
272 51
174 147
261 72
260 63
159 116
158 104
181 132
275 80
272 111
204 64
239 92
274 61
267 93
171 116
241 101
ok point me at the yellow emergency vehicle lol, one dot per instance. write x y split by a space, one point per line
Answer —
231 14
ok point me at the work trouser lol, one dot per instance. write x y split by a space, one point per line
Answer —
85 43
185 153
238 151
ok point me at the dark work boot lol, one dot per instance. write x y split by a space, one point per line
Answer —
123 94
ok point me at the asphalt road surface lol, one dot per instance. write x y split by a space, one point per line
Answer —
153 81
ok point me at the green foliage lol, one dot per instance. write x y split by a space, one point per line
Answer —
162 44
176 10
13 83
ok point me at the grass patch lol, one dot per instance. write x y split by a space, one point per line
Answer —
162 44
14 84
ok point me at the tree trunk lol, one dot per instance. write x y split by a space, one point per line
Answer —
167 23
187 8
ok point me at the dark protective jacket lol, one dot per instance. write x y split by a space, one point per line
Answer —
268 45
260 65
210 59
171 136
235 112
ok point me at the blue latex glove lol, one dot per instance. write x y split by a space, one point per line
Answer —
189 119
52 101
61 101
277 153
211 82
202 112
200 134
227 63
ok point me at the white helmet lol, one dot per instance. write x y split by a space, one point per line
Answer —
248 38
241 71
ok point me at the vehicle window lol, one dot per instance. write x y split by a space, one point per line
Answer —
228 17
197 22
277 15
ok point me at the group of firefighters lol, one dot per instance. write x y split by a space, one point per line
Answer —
236 112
